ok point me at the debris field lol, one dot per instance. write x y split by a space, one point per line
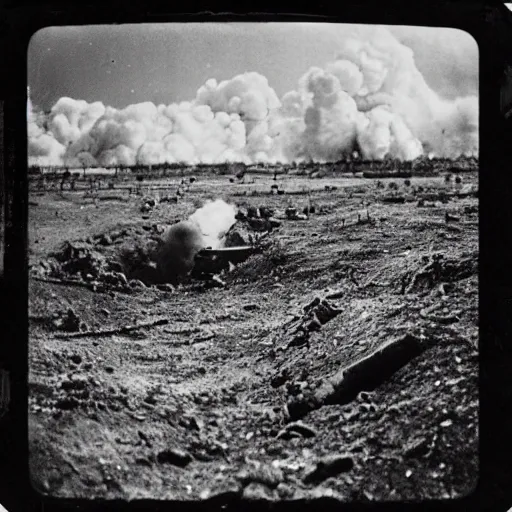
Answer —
337 358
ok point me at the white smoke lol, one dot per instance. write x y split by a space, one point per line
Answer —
371 98
214 220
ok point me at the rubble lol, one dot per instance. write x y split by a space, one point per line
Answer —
315 315
67 321
295 429
174 456
329 466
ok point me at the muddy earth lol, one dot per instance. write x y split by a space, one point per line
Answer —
339 360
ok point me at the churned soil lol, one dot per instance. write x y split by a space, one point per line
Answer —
220 393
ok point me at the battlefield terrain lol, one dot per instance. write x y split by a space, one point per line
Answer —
339 359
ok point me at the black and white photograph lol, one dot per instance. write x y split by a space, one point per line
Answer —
253 261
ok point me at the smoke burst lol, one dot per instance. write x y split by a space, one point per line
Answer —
206 227
370 98
214 220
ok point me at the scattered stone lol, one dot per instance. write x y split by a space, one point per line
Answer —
291 213
274 223
76 358
105 240
67 403
174 456
394 199
365 396
261 473
417 448
296 427
68 321
448 217
331 465
215 282
280 378
189 421
166 287
285 491
136 283
76 383
144 438
256 492
253 212
266 212
234 239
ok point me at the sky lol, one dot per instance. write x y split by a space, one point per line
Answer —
164 63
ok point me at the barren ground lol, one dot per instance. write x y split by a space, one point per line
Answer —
195 408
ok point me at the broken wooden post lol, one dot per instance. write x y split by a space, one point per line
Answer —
363 375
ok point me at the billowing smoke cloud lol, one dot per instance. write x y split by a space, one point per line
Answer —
175 259
206 227
214 220
370 98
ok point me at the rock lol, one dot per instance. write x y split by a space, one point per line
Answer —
174 456
166 287
234 239
105 311
296 427
144 438
190 422
136 283
76 358
266 212
67 403
215 282
285 491
274 223
280 378
331 465
252 212
291 213
365 396
258 224
256 492
250 307
67 321
417 448
115 266
109 369
262 473
105 240
143 461
74 383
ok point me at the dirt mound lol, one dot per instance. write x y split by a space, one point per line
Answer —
268 262
436 269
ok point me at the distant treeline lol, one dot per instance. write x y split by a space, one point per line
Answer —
371 168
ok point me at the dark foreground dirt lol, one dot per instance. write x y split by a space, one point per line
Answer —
221 397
